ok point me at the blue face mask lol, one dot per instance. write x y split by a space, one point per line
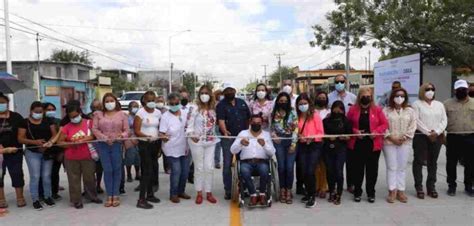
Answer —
37 116
175 108
51 114
3 107
340 86
76 120
303 108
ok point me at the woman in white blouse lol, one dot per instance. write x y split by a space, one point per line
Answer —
397 144
201 129
431 122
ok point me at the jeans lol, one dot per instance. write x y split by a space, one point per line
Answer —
39 167
203 157
179 174
217 153
111 160
335 160
246 171
460 146
286 163
226 143
423 148
149 166
396 160
309 155
365 161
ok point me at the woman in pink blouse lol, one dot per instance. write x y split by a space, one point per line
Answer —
262 103
109 125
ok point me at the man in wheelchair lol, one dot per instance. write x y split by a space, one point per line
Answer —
254 147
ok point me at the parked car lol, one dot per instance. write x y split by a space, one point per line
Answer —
130 96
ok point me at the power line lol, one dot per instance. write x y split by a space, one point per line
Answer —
324 61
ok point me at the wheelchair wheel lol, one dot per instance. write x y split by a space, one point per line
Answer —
235 192
275 180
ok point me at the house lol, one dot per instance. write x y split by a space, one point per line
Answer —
59 81
158 80
130 76
323 79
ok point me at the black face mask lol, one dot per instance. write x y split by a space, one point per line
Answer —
471 94
255 127
229 96
282 105
337 115
184 102
365 100
461 95
321 103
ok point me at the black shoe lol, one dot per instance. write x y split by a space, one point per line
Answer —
469 192
153 199
137 189
227 196
49 202
122 191
56 197
452 191
311 202
78 205
100 190
371 199
137 178
143 204
357 198
37 205
96 201
129 179
305 199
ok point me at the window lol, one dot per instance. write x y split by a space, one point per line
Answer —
58 72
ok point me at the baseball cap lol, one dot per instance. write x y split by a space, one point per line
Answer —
461 84
227 85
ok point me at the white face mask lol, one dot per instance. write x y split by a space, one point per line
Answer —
261 94
134 110
221 97
287 89
160 105
429 95
303 108
205 98
110 106
399 100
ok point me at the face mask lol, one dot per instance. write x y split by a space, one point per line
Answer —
321 103
221 98
37 116
287 89
261 94
175 108
461 95
399 100
337 115
134 110
205 98
110 106
340 86
160 105
229 96
365 100
303 108
151 105
471 93
51 114
3 107
282 105
184 102
429 95
255 127
76 120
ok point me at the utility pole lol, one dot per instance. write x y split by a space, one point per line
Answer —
348 53
11 106
265 74
366 64
278 55
38 76
369 60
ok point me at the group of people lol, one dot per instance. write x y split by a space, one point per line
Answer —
316 134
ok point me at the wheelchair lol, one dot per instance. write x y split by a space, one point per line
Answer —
239 193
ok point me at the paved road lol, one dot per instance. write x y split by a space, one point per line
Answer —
445 210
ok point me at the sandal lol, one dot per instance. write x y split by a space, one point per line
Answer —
109 202
433 194
3 204
116 202
21 202
420 194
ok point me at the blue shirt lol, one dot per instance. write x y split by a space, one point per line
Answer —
236 116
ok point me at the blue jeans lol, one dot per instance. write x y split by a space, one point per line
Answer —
227 159
246 170
335 160
217 153
309 155
286 163
179 174
38 168
111 160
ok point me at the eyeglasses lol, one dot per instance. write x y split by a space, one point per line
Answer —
340 82
429 89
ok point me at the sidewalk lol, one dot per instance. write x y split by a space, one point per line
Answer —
445 210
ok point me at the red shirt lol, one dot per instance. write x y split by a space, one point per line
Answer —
79 151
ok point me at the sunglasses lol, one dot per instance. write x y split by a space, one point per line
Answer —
429 89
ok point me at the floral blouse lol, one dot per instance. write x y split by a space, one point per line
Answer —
266 110
202 123
286 129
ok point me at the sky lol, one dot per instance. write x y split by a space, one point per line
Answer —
218 39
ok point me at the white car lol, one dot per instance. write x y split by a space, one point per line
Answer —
130 96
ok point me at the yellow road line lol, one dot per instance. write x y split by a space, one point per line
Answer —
235 214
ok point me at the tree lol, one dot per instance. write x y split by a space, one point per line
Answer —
441 30
71 56
286 73
119 84
188 82
337 66
250 87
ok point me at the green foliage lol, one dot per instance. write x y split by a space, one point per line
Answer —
337 66
119 84
70 56
286 73
188 82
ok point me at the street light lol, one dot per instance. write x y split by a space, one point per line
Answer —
169 55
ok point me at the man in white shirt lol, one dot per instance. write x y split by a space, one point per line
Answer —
254 147
341 93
